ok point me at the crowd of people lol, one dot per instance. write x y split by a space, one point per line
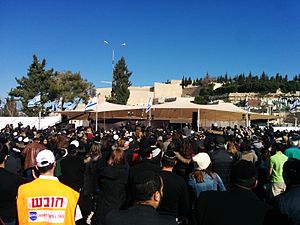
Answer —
139 175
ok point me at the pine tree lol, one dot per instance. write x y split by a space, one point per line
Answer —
51 85
182 82
10 108
37 81
189 81
120 92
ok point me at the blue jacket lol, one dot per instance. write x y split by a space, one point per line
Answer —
210 184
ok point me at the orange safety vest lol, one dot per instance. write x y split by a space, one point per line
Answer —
45 200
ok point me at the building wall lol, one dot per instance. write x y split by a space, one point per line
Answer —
103 93
140 95
162 90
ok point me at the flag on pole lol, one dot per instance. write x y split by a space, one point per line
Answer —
91 104
35 101
59 106
70 106
295 105
247 106
148 106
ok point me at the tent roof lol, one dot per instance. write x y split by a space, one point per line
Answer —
181 109
185 103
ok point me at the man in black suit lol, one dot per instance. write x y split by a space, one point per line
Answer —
239 205
147 193
176 197
9 184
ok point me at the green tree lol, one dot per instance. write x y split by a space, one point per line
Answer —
120 92
202 100
190 81
70 87
51 85
10 107
182 82
37 81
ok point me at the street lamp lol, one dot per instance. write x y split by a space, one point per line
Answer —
113 54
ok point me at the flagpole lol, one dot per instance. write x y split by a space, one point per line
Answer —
40 115
149 124
198 120
247 109
97 113
96 118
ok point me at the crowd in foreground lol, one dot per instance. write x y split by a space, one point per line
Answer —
138 175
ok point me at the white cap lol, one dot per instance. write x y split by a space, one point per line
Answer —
20 139
202 160
26 140
45 158
75 142
116 137
156 152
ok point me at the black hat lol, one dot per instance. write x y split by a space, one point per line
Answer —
169 158
291 171
244 173
219 140
152 139
144 147
72 148
3 139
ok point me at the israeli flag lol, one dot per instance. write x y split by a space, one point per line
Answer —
59 105
295 105
35 101
148 107
247 106
70 106
91 104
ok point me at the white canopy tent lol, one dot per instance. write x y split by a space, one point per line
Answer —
180 111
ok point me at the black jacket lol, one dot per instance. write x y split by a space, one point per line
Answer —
221 163
289 204
175 201
9 184
235 207
113 190
138 215
72 169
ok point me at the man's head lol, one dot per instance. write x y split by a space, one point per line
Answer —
291 172
147 188
294 141
244 174
45 161
219 141
138 132
145 149
169 159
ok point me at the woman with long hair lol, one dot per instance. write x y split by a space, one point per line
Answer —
203 178
113 185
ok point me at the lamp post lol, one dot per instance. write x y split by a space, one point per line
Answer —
113 54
